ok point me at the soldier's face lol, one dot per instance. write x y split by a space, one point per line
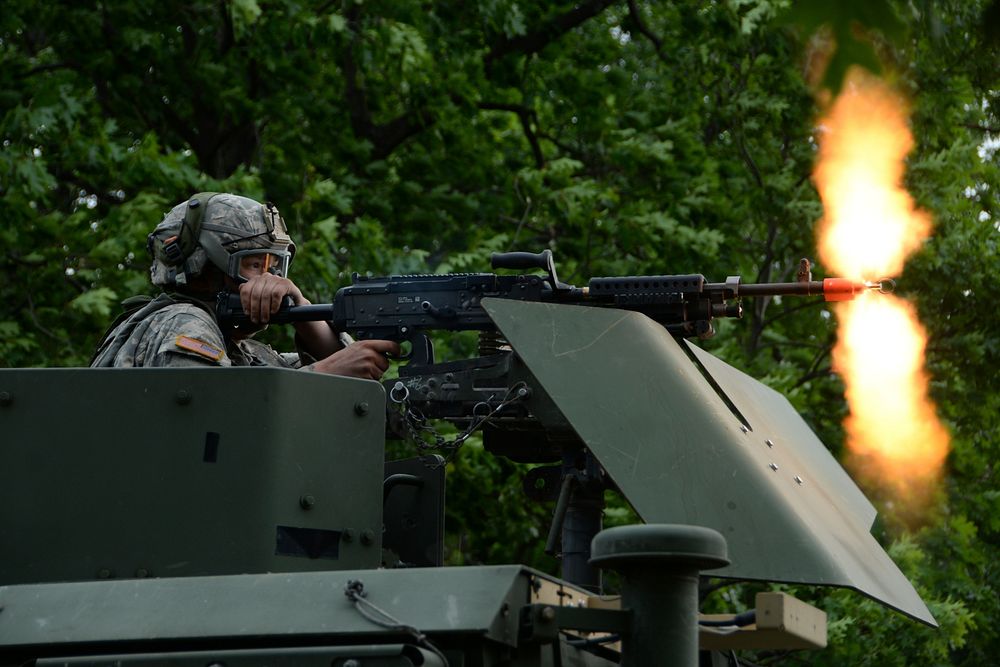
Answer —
258 263
252 266
249 264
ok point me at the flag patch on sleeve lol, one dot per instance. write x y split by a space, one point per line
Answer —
199 347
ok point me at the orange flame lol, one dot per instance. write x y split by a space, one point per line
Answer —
869 228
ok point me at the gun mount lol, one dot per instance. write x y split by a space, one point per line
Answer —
146 503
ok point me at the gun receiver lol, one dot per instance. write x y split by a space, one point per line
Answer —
404 308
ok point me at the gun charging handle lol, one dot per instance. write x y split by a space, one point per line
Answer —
229 310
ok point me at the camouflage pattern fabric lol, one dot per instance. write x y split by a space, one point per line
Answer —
182 335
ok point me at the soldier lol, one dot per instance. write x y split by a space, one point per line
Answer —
208 244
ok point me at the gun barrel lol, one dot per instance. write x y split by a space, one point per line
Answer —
832 289
808 288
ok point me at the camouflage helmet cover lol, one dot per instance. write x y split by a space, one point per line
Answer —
211 228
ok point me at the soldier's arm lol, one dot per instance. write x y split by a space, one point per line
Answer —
261 296
183 336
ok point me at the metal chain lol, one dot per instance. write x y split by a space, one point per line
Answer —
418 427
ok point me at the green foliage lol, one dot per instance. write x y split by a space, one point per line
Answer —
642 137
845 22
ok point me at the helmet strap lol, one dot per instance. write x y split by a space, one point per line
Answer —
177 249
217 255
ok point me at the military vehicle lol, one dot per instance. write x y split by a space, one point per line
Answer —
246 516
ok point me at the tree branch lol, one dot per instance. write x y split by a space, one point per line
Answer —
38 324
982 128
644 30
43 68
388 136
357 101
527 116
226 36
751 164
813 375
758 320
535 41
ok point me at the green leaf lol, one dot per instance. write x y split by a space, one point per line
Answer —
96 302
244 14
336 23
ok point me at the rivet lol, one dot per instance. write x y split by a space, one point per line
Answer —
347 535
769 442
6 398
307 502
367 537
798 480
141 573
351 662
773 466
183 397
104 573
548 613
361 408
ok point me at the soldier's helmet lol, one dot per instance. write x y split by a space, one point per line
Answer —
224 230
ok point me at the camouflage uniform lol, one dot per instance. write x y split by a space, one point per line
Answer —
175 330
176 334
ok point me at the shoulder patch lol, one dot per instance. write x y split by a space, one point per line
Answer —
200 347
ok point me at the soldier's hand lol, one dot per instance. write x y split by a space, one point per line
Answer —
366 359
261 296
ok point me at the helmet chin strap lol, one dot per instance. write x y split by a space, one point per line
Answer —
218 256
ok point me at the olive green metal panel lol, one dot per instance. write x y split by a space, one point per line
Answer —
475 600
167 472
774 423
391 655
680 453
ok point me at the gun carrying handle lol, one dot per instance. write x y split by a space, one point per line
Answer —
527 260
523 260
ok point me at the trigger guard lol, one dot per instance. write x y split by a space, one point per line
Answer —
403 356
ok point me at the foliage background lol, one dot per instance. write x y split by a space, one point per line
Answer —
629 137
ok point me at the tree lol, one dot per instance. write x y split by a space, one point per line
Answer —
629 137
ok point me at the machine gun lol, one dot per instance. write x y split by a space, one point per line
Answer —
404 308
496 392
